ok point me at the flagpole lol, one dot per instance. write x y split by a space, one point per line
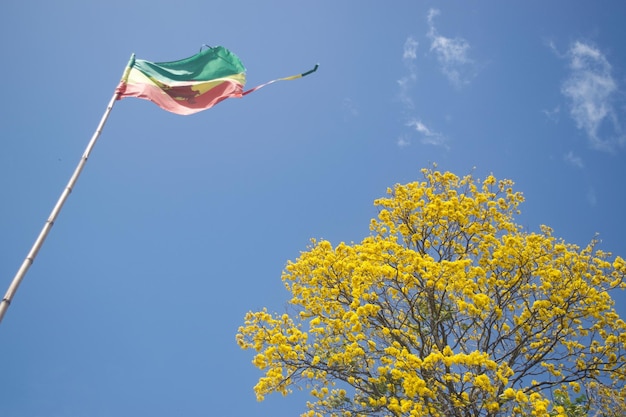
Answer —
30 258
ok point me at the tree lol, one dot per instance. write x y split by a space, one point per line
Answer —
448 308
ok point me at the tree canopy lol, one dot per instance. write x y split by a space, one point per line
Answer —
448 308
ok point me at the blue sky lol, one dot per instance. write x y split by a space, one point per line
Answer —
180 225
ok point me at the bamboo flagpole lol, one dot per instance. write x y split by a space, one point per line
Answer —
30 258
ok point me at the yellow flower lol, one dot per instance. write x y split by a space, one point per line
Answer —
509 393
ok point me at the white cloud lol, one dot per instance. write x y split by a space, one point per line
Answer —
406 84
410 49
452 54
409 55
574 160
428 136
591 89
591 197
577 162
403 142
349 107
553 114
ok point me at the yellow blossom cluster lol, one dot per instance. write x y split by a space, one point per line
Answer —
447 308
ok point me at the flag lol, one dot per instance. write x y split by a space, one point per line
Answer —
189 85
186 86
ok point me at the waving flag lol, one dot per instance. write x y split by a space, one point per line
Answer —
189 85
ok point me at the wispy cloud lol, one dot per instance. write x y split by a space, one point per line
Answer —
403 141
591 90
553 114
591 197
452 54
428 136
349 107
409 56
410 49
405 85
573 160
577 162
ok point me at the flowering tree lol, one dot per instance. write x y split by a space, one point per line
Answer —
447 309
